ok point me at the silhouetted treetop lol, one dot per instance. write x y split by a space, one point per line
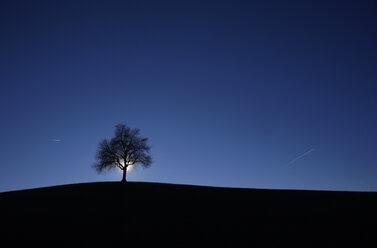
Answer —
124 150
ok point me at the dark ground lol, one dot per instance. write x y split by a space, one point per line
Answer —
155 214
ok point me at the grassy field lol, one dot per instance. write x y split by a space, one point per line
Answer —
155 214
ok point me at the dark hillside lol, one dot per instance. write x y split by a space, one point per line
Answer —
183 215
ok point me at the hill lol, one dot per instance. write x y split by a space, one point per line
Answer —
185 215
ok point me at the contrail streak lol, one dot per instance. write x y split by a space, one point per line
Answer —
301 156
56 140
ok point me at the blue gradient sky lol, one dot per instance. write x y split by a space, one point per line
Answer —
230 93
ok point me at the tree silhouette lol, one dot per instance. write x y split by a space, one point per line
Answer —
124 150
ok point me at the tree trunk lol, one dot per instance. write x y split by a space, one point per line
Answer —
124 175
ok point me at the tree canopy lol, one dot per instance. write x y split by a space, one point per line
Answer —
127 148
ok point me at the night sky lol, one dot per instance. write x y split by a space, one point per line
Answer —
257 94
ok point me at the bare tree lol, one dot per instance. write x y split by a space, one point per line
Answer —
124 150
